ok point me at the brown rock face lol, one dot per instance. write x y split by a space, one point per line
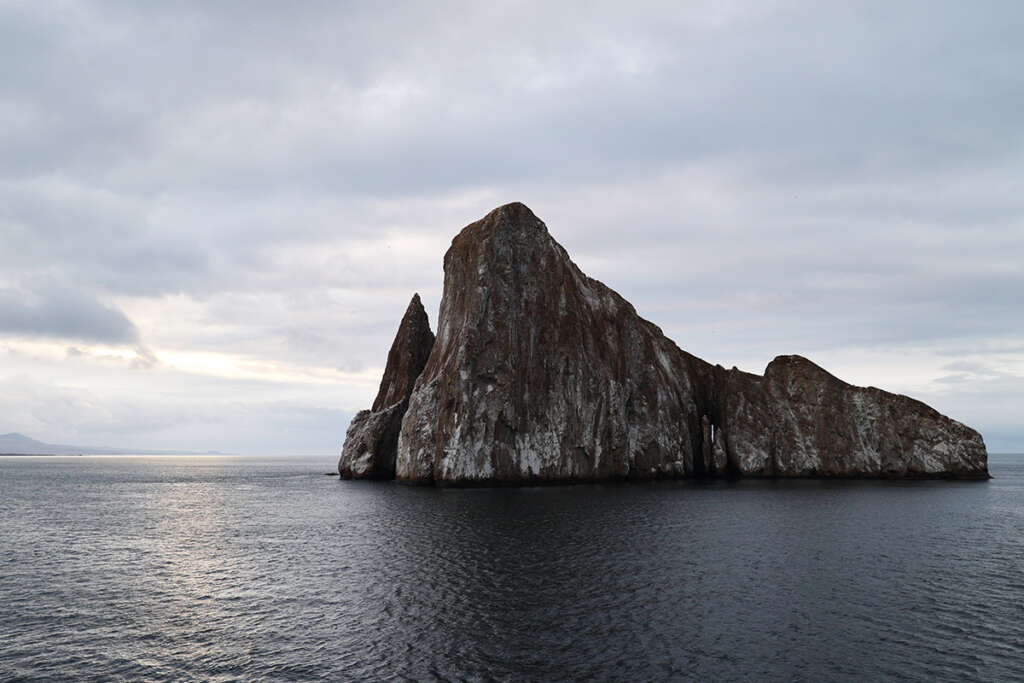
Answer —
372 438
826 427
798 420
541 373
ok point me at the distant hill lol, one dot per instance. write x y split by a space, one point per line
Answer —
19 444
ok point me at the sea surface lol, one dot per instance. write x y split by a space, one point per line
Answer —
224 568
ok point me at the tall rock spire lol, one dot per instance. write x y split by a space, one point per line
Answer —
370 444
408 355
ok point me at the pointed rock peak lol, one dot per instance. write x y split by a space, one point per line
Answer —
371 442
513 212
415 309
515 218
407 357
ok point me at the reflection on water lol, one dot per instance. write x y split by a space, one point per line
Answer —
220 567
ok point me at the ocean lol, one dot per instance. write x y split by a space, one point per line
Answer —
231 567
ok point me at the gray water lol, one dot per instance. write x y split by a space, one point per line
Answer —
212 568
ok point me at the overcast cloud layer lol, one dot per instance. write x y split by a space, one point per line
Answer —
213 217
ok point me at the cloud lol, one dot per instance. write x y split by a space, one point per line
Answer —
63 313
355 101
756 177
988 402
189 414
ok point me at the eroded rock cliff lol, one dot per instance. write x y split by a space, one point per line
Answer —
542 373
370 443
799 420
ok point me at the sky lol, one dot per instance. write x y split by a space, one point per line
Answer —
213 215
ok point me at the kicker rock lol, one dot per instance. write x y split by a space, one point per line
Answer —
370 443
542 373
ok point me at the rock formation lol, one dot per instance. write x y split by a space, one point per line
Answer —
798 420
370 444
540 373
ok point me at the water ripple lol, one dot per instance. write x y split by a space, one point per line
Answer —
228 568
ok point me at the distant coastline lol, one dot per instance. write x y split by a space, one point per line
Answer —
15 444
78 455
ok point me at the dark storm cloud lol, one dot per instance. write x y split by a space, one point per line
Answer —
57 312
